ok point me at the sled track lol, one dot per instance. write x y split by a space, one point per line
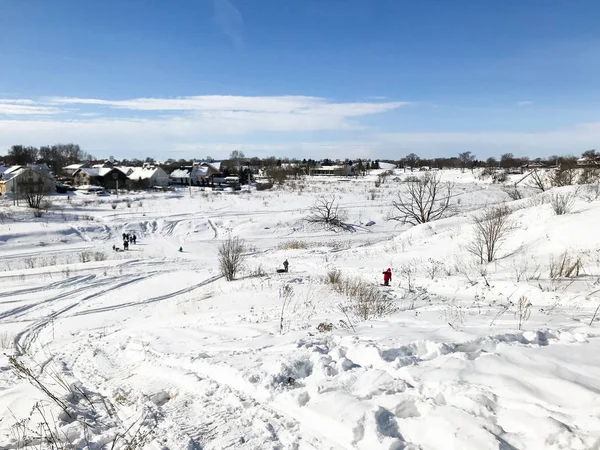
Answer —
18 311
24 339
150 300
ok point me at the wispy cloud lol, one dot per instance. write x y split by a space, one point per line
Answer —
525 103
230 21
289 104
23 107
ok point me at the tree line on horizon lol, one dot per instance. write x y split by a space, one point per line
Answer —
58 156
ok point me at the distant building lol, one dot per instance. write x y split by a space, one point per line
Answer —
13 176
180 176
342 170
107 177
146 177
72 168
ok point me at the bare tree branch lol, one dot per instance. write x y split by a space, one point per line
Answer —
327 211
425 199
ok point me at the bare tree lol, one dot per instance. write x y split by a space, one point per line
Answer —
34 190
327 211
231 257
491 229
539 180
412 160
466 160
424 200
563 177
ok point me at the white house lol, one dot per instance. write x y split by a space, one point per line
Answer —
151 175
180 176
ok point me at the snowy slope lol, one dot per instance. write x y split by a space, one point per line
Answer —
152 348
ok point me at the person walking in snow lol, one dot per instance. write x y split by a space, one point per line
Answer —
286 264
134 238
125 245
387 277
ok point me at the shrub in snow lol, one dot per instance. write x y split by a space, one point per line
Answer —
425 199
365 299
512 191
491 229
565 266
325 327
113 205
231 257
562 203
334 276
523 311
591 192
326 211
563 177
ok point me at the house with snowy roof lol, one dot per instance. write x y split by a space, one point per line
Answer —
146 177
12 177
107 177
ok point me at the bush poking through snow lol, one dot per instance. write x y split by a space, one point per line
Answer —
523 311
325 327
565 266
366 301
591 193
293 245
562 203
491 229
512 191
286 294
425 199
6 340
113 205
231 257
334 276
326 211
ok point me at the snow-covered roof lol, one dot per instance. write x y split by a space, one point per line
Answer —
96 171
8 174
214 165
180 173
387 166
144 173
73 166
3 169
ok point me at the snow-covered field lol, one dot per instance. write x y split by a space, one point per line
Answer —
152 348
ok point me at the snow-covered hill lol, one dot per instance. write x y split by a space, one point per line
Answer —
152 348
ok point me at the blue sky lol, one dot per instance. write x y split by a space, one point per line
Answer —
303 78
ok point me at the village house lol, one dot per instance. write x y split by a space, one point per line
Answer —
147 176
180 176
341 170
10 178
107 177
70 170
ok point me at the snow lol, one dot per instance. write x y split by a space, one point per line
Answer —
152 348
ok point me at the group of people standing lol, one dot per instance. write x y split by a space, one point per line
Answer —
127 238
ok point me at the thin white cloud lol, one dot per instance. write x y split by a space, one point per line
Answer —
276 104
25 107
230 21
525 103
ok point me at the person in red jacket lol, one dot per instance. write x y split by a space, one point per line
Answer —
387 277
